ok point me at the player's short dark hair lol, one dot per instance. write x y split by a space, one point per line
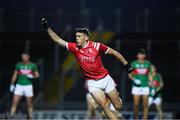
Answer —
25 52
83 30
141 51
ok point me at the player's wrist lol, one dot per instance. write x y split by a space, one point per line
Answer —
128 67
45 23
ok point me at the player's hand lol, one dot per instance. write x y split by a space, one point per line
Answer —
44 23
129 68
30 76
12 87
137 82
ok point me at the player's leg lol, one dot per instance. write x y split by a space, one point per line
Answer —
117 113
114 98
112 93
29 101
136 99
15 102
145 106
28 91
158 103
91 106
99 97
18 93
160 112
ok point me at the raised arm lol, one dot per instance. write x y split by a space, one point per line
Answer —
52 34
118 56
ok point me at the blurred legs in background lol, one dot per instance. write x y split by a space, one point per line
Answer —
15 102
158 102
136 99
160 111
145 106
29 107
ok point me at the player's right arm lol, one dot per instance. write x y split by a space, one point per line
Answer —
52 34
130 76
14 77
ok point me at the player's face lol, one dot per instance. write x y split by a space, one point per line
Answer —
80 38
141 56
25 57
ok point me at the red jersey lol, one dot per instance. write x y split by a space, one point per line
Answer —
89 59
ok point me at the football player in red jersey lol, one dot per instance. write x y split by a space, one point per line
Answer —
88 56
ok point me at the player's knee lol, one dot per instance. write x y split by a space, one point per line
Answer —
103 104
118 105
136 106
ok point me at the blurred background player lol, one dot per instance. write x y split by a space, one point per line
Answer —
140 82
24 72
88 56
155 96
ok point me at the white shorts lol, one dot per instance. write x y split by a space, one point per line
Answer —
156 101
24 90
140 90
106 84
111 107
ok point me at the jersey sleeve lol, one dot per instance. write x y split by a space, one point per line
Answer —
17 67
103 48
71 46
35 68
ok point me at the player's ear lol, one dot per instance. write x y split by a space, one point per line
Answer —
86 37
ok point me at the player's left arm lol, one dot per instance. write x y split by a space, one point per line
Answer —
118 56
35 72
161 83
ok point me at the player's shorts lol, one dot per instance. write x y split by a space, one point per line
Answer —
140 90
156 101
106 84
24 90
111 107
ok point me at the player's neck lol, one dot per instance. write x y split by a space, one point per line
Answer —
26 62
141 60
84 44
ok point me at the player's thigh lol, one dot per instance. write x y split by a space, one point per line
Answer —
136 99
91 102
29 101
99 97
114 98
16 99
145 100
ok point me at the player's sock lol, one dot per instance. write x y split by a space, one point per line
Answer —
12 112
30 110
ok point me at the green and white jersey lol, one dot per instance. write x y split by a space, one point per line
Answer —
157 81
141 71
24 70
